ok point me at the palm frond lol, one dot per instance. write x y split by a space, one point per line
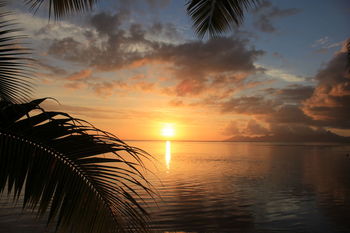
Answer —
15 66
87 180
217 16
61 8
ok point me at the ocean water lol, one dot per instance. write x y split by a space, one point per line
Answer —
241 187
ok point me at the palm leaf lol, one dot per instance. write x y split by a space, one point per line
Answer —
62 7
217 16
62 163
15 66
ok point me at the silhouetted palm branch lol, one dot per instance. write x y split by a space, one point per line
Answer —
217 16
58 162
62 7
84 179
15 81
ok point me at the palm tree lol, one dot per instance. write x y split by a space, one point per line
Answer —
81 178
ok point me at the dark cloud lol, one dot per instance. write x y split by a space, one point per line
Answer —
285 123
330 101
158 3
104 88
301 113
217 93
252 105
255 128
166 30
293 94
234 128
72 50
107 24
289 114
200 66
107 88
139 5
251 128
214 56
297 112
115 47
196 67
307 119
266 12
52 70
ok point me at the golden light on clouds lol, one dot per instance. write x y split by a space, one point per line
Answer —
168 130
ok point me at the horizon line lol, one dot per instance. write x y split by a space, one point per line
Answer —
185 140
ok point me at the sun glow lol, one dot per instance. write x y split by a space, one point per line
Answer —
168 130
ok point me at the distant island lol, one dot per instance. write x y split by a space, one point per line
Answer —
294 136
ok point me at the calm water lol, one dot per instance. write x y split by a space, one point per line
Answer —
246 187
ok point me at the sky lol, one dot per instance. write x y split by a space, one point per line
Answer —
134 67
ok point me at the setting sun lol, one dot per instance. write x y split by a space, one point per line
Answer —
168 130
217 116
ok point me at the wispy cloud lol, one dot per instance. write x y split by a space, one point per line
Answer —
324 44
265 13
282 74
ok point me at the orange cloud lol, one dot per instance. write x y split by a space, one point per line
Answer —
81 75
75 85
143 62
330 100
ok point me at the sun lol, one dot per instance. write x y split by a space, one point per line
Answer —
168 130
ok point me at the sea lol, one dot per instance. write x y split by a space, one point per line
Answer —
237 187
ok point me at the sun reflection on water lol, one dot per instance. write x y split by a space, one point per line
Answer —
167 154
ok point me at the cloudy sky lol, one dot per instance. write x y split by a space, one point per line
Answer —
129 67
